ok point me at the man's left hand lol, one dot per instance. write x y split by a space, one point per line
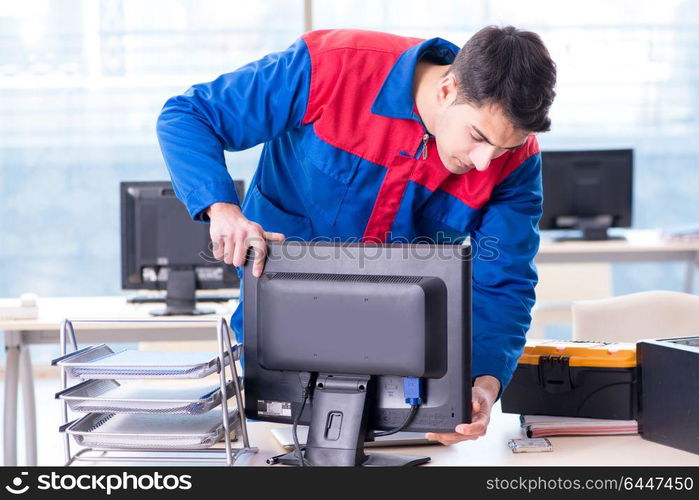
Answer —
484 393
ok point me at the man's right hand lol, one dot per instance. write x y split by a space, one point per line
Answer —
232 234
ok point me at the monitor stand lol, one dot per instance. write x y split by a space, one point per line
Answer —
181 295
338 427
593 229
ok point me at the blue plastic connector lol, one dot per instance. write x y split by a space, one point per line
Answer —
413 390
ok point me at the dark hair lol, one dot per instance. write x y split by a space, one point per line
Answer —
511 68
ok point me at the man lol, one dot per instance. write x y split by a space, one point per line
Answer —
384 138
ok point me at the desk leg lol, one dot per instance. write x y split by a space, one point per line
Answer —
689 275
10 412
27 381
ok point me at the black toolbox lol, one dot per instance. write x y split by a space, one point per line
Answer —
669 409
574 379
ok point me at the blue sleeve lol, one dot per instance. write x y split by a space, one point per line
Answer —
236 111
504 274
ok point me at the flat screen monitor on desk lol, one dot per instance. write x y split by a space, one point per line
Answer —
162 248
590 191
356 339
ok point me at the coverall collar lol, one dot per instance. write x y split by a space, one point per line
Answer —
395 99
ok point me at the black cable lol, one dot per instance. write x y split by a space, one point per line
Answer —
298 451
403 425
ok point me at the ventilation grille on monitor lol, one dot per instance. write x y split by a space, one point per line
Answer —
358 278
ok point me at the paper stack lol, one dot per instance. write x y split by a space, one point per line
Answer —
684 233
544 425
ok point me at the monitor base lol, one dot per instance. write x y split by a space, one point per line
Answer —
338 428
159 299
182 312
372 460
593 228
583 238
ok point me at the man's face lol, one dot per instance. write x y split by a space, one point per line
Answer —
470 137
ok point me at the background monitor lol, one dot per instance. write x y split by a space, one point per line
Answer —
587 190
163 248
336 335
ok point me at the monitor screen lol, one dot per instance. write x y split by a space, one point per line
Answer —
587 189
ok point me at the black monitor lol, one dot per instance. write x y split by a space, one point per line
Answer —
589 191
337 336
162 248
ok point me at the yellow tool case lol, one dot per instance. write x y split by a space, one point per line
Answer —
574 379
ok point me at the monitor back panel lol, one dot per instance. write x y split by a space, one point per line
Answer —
275 395
157 234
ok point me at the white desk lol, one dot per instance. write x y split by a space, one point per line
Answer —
639 246
19 334
492 449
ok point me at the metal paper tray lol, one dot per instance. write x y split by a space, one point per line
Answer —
108 396
113 431
101 362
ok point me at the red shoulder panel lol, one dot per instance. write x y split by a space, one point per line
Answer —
348 68
322 40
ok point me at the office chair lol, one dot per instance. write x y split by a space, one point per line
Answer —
629 318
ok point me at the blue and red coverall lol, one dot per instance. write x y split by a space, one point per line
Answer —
344 159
